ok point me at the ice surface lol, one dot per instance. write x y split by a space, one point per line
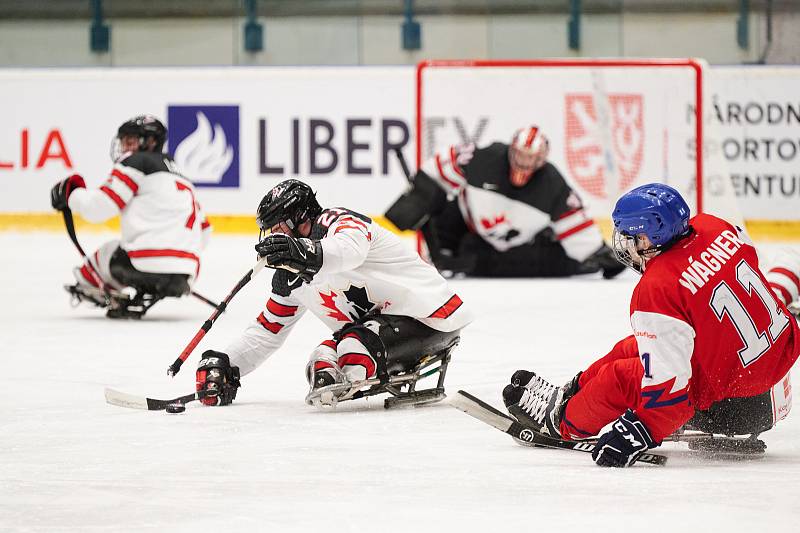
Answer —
71 462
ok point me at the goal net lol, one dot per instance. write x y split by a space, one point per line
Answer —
612 124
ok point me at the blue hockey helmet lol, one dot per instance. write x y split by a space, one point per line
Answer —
655 210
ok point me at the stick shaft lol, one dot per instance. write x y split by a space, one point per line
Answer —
175 367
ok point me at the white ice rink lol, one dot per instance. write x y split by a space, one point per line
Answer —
71 462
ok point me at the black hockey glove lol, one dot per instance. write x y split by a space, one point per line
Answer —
214 372
452 265
627 439
301 256
605 260
59 194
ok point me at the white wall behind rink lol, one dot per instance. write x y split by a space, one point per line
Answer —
331 126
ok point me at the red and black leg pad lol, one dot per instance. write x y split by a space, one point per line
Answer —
371 341
215 373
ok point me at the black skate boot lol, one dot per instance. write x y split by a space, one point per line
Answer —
521 378
323 378
537 403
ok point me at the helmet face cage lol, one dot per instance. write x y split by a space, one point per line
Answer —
655 211
527 153
291 202
626 249
144 127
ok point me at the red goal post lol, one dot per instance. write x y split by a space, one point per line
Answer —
612 123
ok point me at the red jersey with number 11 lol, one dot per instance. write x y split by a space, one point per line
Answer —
707 326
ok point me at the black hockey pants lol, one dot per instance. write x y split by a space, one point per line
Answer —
736 416
156 284
401 340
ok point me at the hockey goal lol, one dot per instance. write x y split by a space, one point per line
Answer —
612 123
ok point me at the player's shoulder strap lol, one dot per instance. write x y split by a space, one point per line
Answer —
331 215
148 162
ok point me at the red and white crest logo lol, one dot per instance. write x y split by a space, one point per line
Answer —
587 136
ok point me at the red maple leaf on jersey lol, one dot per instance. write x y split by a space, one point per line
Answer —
489 224
328 301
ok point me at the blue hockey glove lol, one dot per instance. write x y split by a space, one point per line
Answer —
627 439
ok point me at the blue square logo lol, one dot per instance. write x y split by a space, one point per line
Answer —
204 141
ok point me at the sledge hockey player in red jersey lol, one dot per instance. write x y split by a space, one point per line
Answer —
163 227
502 211
711 345
392 315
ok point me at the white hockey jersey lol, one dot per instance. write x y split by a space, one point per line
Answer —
163 226
365 269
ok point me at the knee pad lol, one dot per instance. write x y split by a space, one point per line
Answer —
366 333
323 356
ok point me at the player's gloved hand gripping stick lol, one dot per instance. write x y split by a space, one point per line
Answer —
175 367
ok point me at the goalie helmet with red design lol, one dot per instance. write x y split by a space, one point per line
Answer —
527 153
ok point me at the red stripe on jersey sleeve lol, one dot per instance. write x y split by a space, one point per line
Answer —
785 296
789 274
454 162
576 229
124 178
279 309
273 327
450 182
567 214
448 308
114 197
205 224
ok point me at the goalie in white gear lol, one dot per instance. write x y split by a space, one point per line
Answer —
163 226
394 318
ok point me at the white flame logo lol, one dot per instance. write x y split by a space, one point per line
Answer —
202 157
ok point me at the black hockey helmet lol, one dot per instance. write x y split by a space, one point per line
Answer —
145 127
290 201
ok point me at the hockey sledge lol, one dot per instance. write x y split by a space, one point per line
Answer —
401 386
118 304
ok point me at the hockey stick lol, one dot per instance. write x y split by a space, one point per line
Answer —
425 229
175 367
122 399
204 299
489 415
70 224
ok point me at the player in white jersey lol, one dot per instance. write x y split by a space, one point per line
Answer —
163 226
391 313
503 211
